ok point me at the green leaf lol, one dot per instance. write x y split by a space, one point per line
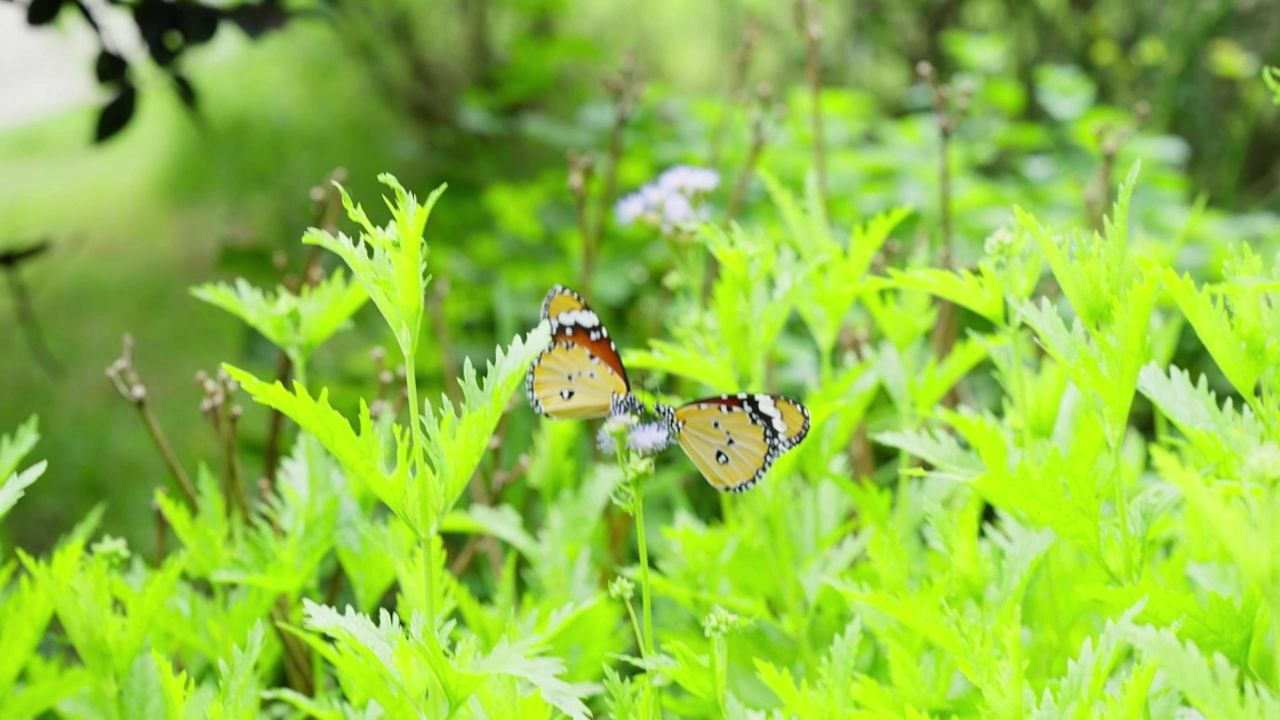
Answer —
295 323
388 262
458 438
361 454
1246 543
502 522
1226 435
1212 685
205 535
25 610
404 670
981 293
707 364
238 687
13 448
140 689
1085 688
519 659
1232 344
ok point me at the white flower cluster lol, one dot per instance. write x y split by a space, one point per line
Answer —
669 202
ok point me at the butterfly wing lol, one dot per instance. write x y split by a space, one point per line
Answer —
795 420
580 372
734 439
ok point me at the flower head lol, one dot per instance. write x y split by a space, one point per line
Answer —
649 438
720 622
677 210
689 180
621 588
629 209
670 202
643 438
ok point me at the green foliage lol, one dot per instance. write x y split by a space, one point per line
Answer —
1271 78
297 323
1024 493
389 262
456 438
13 448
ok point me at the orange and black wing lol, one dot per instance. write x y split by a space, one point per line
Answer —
734 439
580 372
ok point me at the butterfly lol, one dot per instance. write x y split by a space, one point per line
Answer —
580 374
734 439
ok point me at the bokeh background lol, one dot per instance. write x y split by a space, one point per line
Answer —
210 176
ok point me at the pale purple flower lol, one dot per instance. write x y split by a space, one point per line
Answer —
688 180
629 209
604 441
643 438
649 438
677 211
670 201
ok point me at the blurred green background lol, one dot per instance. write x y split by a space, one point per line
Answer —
491 96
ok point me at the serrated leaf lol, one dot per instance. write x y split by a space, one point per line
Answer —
1218 330
1212 685
361 454
519 659
458 438
980 293
295 323
388 262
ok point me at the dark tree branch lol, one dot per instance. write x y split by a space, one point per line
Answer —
24 310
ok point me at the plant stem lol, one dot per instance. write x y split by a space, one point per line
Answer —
426 536
635 623
124 376
1122 508
719 670
411 387
1274 602
748 169
581 169
635 479
428 577
235 481
327 203
625 89
642 548
811 28
166 451
296 657
741 70
275 424
161 526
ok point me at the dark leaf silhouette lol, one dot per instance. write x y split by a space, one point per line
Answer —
110 67
197 23
43 12
255 20
186 91
116 114
157 23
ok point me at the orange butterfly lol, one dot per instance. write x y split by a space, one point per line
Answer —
734 439
580 374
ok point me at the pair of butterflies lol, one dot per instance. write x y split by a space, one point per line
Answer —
732 439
